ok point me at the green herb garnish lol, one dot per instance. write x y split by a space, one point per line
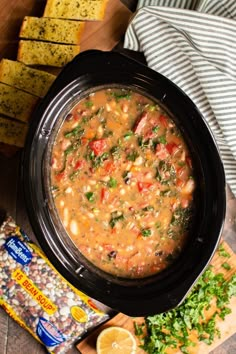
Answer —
121 95
162 139
115 217
222 252
155 129
90 196
128 135
226 266
76 132
146 232
115 151
112 183
132 155
171 329
88 104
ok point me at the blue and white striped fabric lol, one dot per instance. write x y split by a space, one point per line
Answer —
193 43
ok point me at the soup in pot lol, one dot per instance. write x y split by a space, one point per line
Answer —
122 183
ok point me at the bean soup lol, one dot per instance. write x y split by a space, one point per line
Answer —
122 183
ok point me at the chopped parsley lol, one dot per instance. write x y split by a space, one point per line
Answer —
222 252
226 266
123 94
88 104
162 139
76 132
132 155
146 232
155 129
128 135
171 329
112 183
96 160
115 217
90 196
115 152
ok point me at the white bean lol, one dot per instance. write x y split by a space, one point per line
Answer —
66 217
122 191
74 227
138 161
68 190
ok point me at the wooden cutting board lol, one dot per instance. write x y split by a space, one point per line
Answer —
226 327
103 35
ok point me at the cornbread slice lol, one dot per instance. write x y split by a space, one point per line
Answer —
27 79
45 53
12 133
76 9
52 30
16 103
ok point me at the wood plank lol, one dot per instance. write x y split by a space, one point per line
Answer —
106 34
226 327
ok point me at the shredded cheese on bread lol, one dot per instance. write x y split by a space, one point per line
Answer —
76 9
46 53
52 30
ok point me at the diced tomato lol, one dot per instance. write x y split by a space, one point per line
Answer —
182 173
163 121
144 186
149 134
135 230
113 231
108 247
161 151
60 176
104 194
140 123
184 203
98 146
179 182
80 164
83 141
109 166
171 147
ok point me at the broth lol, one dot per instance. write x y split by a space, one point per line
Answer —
122 182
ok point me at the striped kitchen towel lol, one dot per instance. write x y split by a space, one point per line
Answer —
193 43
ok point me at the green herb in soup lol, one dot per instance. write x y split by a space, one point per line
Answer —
123 183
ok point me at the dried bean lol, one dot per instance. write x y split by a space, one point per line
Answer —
34 294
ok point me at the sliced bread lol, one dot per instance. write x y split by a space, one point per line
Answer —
12 132
46 53
25 78
16 103
52 30
76 9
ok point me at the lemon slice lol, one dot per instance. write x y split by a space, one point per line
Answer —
116 340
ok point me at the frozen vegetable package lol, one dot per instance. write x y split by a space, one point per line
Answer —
38 297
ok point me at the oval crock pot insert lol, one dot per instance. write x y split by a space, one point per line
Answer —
88 72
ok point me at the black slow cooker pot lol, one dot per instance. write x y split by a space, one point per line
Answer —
90 71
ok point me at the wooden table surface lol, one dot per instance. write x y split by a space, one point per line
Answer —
14 339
